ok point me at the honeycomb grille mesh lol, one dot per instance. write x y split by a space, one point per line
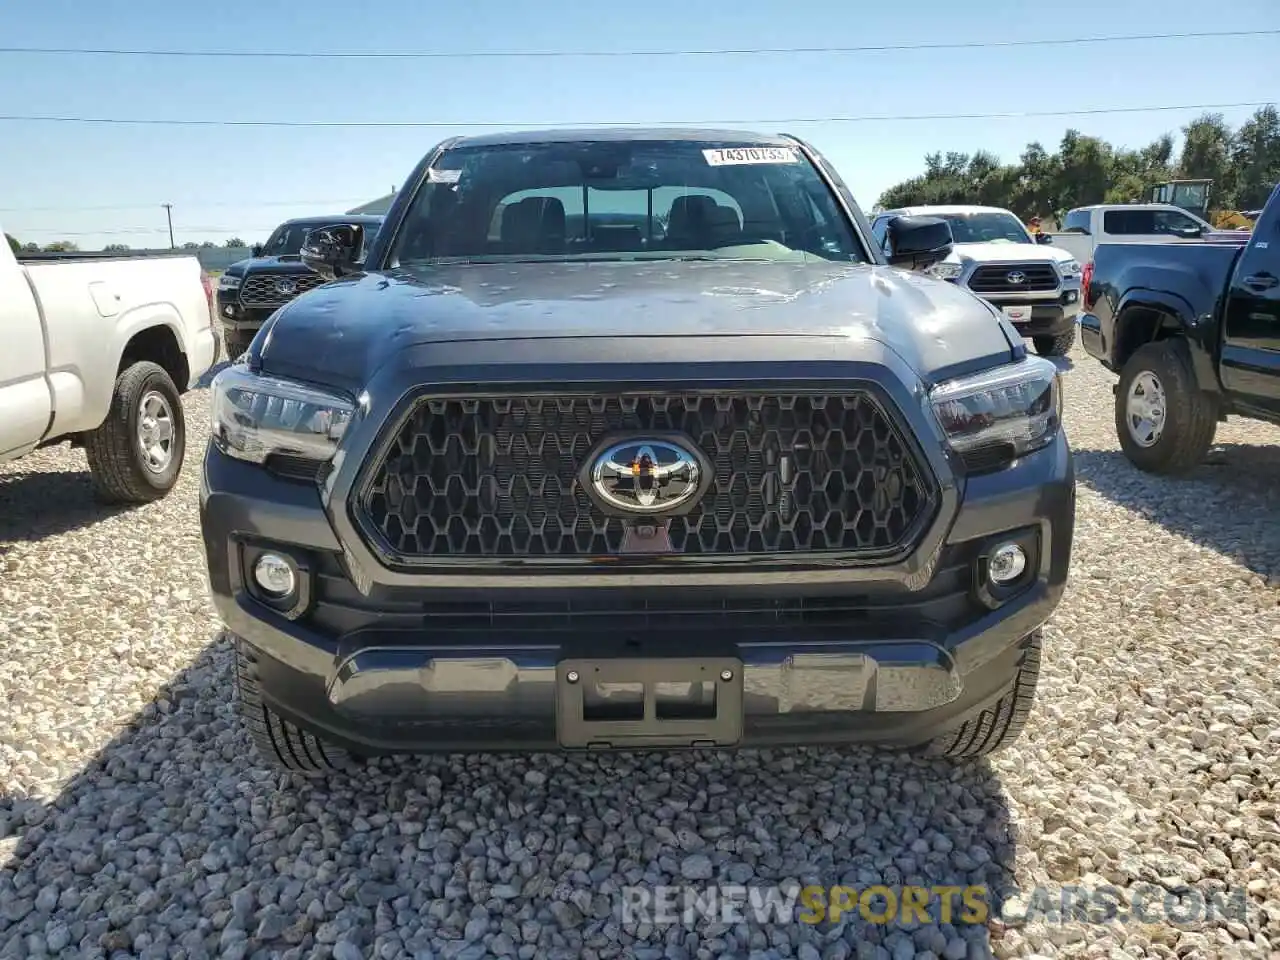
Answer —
259 290
499 477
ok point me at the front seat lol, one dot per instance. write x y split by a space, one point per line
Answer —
534 225
690 225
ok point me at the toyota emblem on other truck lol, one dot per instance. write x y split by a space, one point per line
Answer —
1016 277
646 476
286 287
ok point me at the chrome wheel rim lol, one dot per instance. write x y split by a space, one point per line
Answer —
155 431
1145 409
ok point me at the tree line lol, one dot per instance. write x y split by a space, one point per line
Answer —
1243 163
70 246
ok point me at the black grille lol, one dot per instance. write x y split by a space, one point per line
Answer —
994 278
260 290
790 474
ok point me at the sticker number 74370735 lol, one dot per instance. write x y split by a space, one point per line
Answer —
732 155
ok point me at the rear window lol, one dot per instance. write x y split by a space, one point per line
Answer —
658 199
1147 222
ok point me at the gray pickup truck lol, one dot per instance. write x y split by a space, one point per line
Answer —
634 439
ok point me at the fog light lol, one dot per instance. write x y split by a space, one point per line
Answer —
275 575
1006 563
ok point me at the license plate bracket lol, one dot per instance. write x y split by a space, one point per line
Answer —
1018 314
718 726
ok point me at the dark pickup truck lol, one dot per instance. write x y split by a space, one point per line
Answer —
626 439
1193 330
251 290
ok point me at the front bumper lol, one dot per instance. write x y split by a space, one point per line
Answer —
239 319
383 662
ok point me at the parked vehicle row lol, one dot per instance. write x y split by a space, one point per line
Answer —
98 350
249 290
1193 330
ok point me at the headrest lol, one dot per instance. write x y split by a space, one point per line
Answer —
534 224
690 214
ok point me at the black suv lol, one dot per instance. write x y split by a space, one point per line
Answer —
634 439
250 290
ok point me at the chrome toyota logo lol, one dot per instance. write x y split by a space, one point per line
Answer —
1016 277
286 287
646 476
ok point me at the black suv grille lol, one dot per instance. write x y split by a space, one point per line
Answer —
791 473
262 290
995 278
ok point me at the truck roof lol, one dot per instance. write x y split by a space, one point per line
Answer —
954 208
336 218
571 135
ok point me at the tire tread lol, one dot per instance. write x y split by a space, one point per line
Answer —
110 451
1000 724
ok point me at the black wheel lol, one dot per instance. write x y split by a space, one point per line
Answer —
136 454
281 743
1000 724
237 342
1058 346
1164 421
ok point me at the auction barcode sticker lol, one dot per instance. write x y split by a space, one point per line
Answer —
732 155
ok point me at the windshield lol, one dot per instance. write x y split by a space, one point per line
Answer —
287 239
986 227
623 200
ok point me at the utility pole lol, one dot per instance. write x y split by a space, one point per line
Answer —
168 212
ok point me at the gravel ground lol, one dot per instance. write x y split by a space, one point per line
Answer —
133 821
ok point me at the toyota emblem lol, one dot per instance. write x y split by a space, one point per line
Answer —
646 476
286 287
1016 277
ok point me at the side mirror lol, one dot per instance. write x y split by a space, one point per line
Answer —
332 251
256 250
1190 233
917 243
1044 239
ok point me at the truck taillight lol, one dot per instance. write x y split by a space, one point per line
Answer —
207 283
1085 276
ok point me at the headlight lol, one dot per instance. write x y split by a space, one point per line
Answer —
229 282
1018 407
255 417
1070 268
945 271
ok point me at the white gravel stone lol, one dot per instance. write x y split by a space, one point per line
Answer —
135 822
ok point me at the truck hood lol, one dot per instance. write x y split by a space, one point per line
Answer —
1006 253
341 333
287 264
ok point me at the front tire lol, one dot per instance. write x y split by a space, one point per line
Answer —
281 743
136 455
1058 346
1000 724
1164 421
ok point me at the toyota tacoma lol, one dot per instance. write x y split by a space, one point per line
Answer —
634 439
1034 284
250 290
1193 330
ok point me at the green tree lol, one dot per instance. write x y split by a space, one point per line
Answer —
14 245
1244 165
1255 158
234 242
116 248
61 246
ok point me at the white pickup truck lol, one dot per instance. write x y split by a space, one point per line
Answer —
98 350
1084 228
1035 286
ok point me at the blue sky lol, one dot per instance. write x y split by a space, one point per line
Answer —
225 181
